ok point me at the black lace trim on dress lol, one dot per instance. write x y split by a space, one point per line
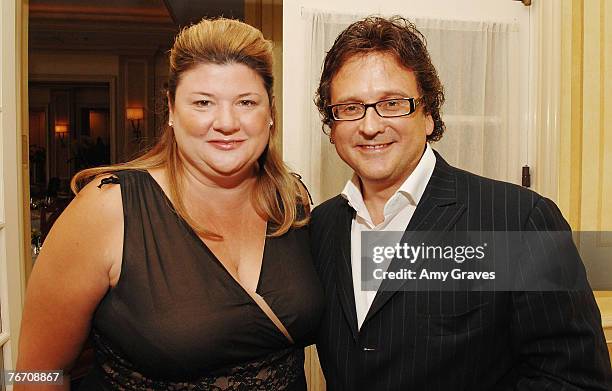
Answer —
276 371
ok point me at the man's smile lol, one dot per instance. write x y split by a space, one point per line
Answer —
374 147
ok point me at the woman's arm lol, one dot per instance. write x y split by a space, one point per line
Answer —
78 260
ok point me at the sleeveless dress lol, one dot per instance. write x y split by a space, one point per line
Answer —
177 319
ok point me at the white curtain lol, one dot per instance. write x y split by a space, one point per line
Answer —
479 67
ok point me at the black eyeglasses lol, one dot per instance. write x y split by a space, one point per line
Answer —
386 108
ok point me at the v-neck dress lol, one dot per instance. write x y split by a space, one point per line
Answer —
177 320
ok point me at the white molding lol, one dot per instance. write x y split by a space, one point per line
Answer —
545 104
12 271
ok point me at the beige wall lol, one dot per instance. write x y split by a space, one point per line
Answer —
585 188
585 170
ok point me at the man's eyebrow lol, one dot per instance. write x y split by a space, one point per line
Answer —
348 99
381 95
401 93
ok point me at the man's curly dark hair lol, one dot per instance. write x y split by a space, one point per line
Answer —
398 37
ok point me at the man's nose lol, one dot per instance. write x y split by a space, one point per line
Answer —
226 120
371 123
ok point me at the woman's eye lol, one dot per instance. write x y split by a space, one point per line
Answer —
247 103
202 103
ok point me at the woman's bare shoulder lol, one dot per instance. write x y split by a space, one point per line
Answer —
99 202
70 276
93 220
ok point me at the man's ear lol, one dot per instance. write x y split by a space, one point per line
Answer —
429 124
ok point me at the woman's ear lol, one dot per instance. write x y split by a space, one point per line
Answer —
170 109
272 111
272 107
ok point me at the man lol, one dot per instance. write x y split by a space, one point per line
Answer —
380 97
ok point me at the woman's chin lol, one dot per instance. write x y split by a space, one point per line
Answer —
233 170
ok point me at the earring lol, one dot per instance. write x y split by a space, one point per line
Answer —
171 123
271 123
331 140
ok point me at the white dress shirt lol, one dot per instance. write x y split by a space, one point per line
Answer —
397 214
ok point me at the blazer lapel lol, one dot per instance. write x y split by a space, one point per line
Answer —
438 210
345 290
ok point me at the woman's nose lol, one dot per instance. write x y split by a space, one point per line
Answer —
226 120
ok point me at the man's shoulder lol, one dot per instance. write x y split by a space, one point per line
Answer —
505 198
325 223
468 182
329 216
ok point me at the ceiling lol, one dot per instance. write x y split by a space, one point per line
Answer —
132 26
179 12
186 11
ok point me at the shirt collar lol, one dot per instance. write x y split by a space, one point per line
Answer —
412 188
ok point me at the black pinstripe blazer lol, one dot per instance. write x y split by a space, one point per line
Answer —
456 340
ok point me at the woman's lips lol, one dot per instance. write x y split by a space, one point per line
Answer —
226 145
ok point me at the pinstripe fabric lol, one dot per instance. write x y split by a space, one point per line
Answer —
456 340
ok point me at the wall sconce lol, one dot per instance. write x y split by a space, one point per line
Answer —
135 115
61 130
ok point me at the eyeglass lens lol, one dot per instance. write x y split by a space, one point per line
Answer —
384 108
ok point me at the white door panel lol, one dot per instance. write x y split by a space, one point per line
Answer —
10 224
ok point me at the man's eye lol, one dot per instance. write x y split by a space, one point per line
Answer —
391 104
350 108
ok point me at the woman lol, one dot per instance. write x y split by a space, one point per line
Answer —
190 265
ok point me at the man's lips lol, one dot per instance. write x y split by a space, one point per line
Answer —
374 147
226 144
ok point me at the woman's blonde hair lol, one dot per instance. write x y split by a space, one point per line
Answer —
278 194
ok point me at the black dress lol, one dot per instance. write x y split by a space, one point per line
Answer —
177 320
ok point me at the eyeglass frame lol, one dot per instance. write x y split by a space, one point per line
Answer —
414 103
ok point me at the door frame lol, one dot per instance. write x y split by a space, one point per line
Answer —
13 143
